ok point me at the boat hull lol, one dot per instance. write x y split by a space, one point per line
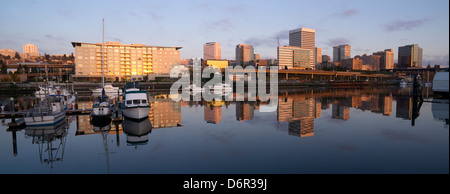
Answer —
36 121
138 112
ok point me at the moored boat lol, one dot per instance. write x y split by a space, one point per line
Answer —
135 103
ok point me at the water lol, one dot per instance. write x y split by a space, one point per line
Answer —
372 130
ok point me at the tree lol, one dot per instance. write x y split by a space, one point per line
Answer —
17 56
4 69
34 69
26 69
20 69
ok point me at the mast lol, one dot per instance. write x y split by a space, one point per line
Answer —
103 61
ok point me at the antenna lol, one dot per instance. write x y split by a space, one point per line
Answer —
103 50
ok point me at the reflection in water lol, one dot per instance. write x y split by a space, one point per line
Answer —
137 131
296 114
45 136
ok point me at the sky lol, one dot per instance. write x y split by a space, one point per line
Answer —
368 26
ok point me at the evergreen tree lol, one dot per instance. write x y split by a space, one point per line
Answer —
17 56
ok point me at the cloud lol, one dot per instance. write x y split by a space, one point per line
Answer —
155 16
49 36
222 24
270 41
346 13
337 41
399 25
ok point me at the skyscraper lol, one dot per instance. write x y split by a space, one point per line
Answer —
341 52
410 56
244 54
211 50
303 37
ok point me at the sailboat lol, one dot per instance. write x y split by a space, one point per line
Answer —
101 107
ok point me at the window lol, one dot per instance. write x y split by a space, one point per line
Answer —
136 102
128 101
144 101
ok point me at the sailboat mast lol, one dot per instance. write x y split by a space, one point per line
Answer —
103 53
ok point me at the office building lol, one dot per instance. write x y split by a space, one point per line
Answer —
303 37
212 50
410 56
372 61
244 54
386 59
123 62
318 55
352 64
326 58
293 57
341 52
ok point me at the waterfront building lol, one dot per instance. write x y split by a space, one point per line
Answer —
386 59
293 57
410 56
372 61
244 54
30 50
212 50
341 52
222 64
352 64
318 56
123 62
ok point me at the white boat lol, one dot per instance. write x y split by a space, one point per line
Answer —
135 104
110 91
440 82
48 112
101 109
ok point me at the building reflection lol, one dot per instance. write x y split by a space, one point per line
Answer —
165 112
213 112
299 111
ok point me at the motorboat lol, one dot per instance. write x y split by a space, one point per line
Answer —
47 112
110 91
135 103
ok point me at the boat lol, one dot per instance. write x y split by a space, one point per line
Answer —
110 91
135 103
137 131
101 108
440 83
48 111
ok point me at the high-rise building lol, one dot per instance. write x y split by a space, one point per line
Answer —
410 56
386 59
303 37
244 54
341 52
293 57
30 50
212 50
373 61
326 58
121 61
318 55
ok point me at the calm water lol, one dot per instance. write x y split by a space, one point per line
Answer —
312 131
